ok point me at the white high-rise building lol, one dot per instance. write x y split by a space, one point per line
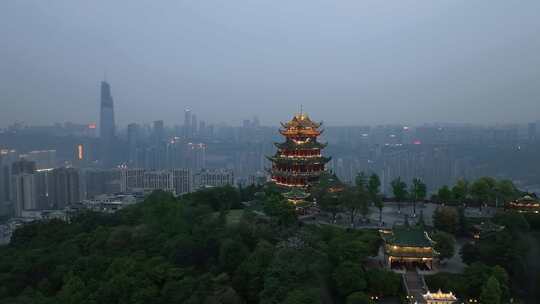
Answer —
159 180
183 181
213 178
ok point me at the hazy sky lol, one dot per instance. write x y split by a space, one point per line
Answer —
347 62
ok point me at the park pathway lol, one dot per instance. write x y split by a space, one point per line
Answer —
414 285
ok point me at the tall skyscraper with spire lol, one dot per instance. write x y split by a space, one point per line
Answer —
106 125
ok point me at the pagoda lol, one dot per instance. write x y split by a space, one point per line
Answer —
298 161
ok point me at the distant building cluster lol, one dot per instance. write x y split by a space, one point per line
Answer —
51 167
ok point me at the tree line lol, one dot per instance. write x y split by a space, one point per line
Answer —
192 249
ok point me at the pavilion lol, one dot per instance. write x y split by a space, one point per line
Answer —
439 297
409 246
526 204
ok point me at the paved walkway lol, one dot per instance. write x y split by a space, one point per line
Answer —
415 286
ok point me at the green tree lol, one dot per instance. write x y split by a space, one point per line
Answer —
374 189
352 202
280 210
502 276
248 279
514 222
399 189
331 203
483 190
444 194
382 282
349 277
359 298
303 296
460 191
445 244
491 292
505 191
73 291
446 219
231 254
362 195
418 192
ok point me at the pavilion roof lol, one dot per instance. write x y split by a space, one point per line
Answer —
301 121
296 193
408 236
439 295
299 160
527 199
290 145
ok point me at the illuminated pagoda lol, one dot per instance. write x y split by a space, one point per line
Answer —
526 204
409 245
298 161
439 297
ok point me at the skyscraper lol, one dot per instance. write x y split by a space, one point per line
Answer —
107 124
7 158
133 142
194 125
195 156
158 132
187 123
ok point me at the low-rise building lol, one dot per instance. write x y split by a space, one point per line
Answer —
407 245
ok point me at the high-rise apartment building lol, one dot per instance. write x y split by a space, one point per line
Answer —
158 132
195 156
22 194
64 187
183 182
7 157
159 180
213 178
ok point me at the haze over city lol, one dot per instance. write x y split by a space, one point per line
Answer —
347 62
267 151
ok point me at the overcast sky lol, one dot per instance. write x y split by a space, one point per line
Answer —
347 62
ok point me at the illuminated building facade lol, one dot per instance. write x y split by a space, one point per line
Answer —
439 297
298 161
526 204
411 245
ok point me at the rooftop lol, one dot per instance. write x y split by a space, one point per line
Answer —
407 236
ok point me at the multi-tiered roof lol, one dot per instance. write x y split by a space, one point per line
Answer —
298 161
526 204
